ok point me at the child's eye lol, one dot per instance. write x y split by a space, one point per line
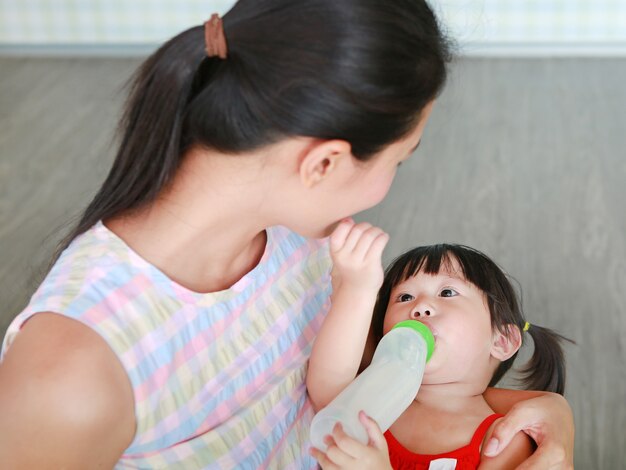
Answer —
405 298
448 292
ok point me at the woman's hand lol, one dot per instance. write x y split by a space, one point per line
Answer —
549 421
357 250
343 452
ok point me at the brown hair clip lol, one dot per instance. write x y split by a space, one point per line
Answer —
214 38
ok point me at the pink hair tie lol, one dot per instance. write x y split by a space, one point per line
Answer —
214 39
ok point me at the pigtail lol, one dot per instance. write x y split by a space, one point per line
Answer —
546 368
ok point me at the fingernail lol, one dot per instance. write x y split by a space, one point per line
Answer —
492 446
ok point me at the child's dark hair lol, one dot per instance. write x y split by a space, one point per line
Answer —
357 70
545 370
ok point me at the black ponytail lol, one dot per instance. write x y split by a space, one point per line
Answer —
546 368
357 70
150 131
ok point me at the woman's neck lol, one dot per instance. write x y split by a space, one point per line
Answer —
202 233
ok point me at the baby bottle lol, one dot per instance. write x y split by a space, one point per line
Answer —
385 389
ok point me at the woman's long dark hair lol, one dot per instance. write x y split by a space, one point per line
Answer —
546 368
357 70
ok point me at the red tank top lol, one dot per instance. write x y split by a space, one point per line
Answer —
466 457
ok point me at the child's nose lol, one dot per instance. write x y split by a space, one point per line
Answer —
422 310
421 313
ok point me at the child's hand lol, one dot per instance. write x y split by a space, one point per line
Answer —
357 251
343 452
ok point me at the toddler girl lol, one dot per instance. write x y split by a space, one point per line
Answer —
472 309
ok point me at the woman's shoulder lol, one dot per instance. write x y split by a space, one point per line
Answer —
96 250
89 271
61 379
94 257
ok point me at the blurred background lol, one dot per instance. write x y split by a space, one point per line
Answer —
524 158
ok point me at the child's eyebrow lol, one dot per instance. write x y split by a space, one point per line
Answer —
399 285
456 278
446 276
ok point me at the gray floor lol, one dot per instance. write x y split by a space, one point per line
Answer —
523 159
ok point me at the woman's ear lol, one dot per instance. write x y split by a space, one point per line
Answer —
505 345
321 159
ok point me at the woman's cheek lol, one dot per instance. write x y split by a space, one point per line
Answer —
379 189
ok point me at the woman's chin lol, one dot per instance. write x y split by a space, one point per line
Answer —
325 232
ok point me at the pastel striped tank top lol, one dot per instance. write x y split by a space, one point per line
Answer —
219 378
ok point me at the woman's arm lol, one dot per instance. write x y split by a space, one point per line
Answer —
65 400
357 276
546 417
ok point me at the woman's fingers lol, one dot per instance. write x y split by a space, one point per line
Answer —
502 435
519 418
547 420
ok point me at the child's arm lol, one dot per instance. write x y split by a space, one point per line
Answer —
356 250
545 417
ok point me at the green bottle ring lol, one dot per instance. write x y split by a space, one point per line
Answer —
422 330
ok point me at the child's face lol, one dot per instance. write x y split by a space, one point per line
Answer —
456 311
